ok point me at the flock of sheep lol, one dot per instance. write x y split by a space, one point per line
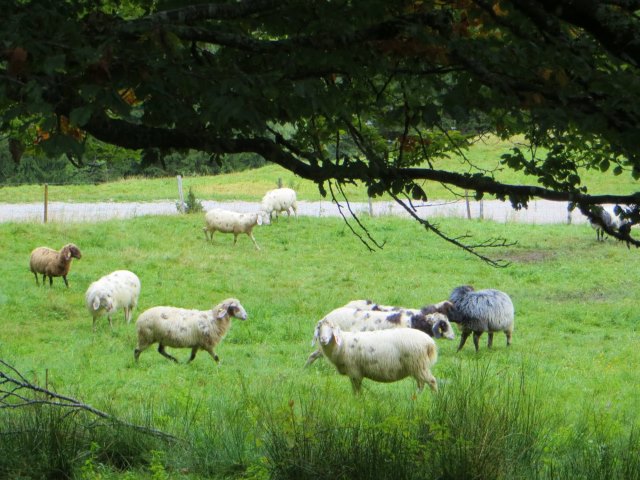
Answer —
362 339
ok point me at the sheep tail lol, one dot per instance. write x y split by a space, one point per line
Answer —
432 352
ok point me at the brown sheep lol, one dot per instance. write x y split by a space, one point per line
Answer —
51 263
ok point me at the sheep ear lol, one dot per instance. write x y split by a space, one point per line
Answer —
222 312
336 336
67 254
96 303
436 329
316 333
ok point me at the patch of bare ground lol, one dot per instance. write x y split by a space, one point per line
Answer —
528 256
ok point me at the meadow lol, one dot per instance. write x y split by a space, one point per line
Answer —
561 402
250 185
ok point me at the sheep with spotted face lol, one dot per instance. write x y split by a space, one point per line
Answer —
183 328
119 289
227 221
381 355
481 311
434 324
279 200
52 263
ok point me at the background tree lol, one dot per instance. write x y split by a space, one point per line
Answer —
339 91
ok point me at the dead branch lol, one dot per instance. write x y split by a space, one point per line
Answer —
457 241
17 392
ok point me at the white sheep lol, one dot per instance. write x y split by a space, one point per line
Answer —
119 289
183 328
226 221
51 263
434 324
382 355
279 200
481 311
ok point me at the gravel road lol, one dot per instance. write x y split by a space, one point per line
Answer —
539 211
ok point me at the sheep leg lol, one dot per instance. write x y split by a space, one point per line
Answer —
127 314
463 338
37 281
50 281
490 340
213 355
508 335
194 350
253 240
165 354
64 277
476 340
110 323
356 383
235 238
312 358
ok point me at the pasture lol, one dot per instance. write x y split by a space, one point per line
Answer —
562 400
250 185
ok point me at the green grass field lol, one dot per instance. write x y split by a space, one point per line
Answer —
562 400
252 184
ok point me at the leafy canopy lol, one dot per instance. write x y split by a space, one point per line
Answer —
339 90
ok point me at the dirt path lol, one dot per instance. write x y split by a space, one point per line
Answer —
539 211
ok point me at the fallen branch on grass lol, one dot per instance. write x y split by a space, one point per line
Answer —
18 392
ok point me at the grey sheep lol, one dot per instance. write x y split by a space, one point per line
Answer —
481 311
51 263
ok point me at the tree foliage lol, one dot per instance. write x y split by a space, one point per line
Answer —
339 91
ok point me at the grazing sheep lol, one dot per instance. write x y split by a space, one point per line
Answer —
434 324
610 220
182 328
440 307
226 221
119 289
481 311
51 263
382 355
279 200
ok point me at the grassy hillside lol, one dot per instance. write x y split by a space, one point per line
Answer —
251 184
562 400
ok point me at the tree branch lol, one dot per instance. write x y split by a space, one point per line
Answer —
11 397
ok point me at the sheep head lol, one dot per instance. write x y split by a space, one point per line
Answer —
326 332
71 251
231 307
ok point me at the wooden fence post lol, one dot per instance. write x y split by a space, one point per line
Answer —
46 202
180 195
466 199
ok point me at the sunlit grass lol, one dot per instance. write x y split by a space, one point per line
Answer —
250 185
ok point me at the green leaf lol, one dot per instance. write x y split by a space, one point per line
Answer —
54 63
80 116
604 165
617 171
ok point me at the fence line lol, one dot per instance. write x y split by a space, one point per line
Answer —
539 211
